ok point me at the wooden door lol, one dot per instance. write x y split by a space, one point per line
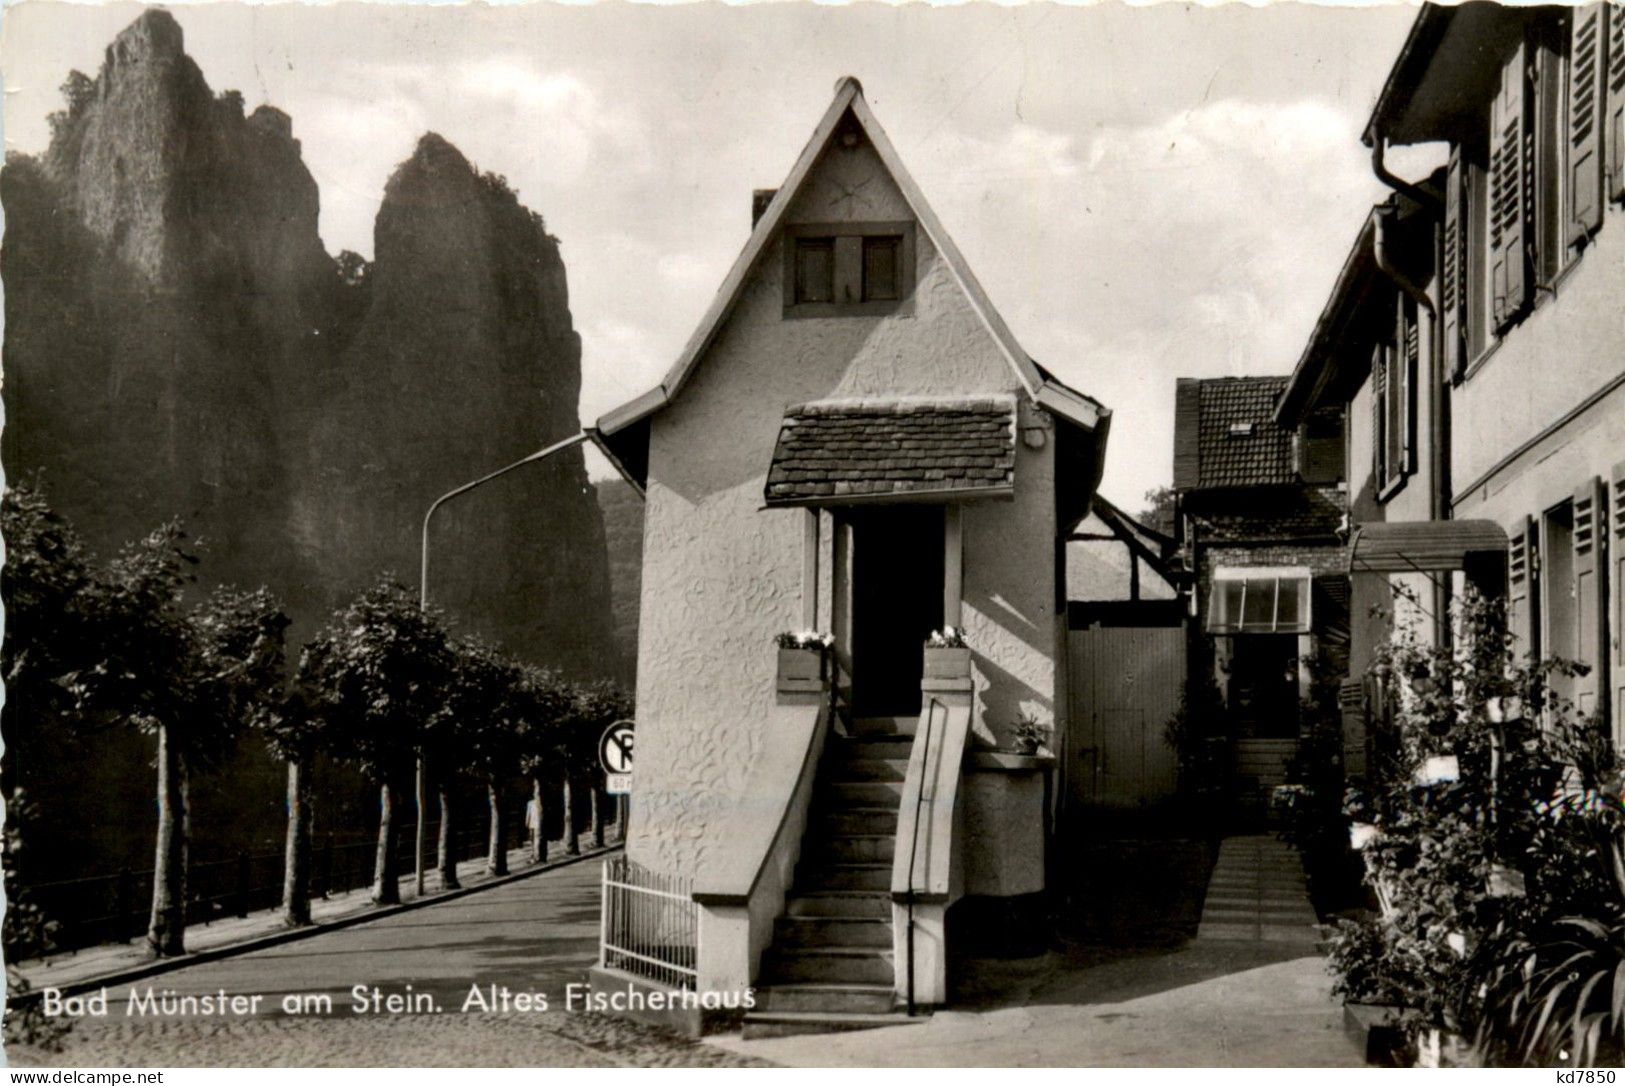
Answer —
1125 685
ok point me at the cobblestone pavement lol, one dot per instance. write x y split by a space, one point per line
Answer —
535 935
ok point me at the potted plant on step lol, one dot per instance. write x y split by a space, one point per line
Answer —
802 654
946 654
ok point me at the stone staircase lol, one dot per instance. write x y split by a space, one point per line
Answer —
830 966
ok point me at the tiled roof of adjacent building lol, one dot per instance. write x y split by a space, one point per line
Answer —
1236 441
843 450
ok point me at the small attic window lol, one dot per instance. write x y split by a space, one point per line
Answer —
815 270
1242 429
848 269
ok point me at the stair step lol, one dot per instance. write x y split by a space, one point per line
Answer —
834 965
762 1024
856 821
846 904
832 931
855 848
874 727
847 769
843 794
829 998
828 876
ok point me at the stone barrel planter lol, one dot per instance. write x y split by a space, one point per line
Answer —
947 663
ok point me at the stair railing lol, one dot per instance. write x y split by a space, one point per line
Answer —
928 784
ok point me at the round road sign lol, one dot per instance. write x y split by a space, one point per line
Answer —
615 748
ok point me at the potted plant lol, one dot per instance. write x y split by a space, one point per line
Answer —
1032 736
801 655
946 654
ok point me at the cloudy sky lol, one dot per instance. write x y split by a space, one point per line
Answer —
1145 193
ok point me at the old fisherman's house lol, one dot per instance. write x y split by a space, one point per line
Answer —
853 445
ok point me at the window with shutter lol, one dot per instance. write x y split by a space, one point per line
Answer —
1453 268
1512 197
1614 115
1590 537
1588 91
1523 577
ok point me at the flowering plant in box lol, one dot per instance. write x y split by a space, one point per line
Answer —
949 637
804 639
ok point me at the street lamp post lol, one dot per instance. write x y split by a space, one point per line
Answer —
423 601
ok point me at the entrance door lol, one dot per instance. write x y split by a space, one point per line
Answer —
897 571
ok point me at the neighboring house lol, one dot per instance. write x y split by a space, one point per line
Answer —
1514 263
1126 640
852 441
1260 511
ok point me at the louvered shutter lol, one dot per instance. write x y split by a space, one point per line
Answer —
1523 566
1453 270
1512 191
1616 616
1587 94
1591 595
1379 412
1614 115
1410 345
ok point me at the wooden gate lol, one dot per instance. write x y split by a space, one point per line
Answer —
1126 671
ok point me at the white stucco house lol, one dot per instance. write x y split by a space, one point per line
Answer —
851 442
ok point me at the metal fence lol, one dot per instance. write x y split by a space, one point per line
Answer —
650 924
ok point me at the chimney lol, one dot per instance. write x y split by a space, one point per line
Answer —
759 199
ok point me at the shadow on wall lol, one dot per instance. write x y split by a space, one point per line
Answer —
1001 703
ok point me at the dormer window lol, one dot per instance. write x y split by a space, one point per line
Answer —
1242 429
848 269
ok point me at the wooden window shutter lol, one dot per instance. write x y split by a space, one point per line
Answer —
1379 415
1616 586
1453 270
1614 114
1410 345
1588 92
1523 579
1591 595
1512 191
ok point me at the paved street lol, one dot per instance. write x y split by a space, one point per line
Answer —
535 935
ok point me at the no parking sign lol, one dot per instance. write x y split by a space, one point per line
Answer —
615 752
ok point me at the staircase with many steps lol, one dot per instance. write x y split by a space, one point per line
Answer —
831 964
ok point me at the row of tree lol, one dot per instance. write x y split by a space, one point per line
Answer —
384 685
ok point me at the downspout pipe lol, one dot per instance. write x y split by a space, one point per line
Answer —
1429 200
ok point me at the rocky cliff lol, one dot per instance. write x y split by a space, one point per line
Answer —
179 344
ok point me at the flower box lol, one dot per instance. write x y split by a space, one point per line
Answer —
804 665
947 663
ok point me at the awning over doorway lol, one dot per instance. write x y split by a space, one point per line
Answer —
1423 546
839 452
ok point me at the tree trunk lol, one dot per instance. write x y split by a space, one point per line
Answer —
598 810
166 934
296 854
538 832
572 831
386 882
496 856
448 838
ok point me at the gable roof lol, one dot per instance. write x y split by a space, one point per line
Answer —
1226 429
1045 390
